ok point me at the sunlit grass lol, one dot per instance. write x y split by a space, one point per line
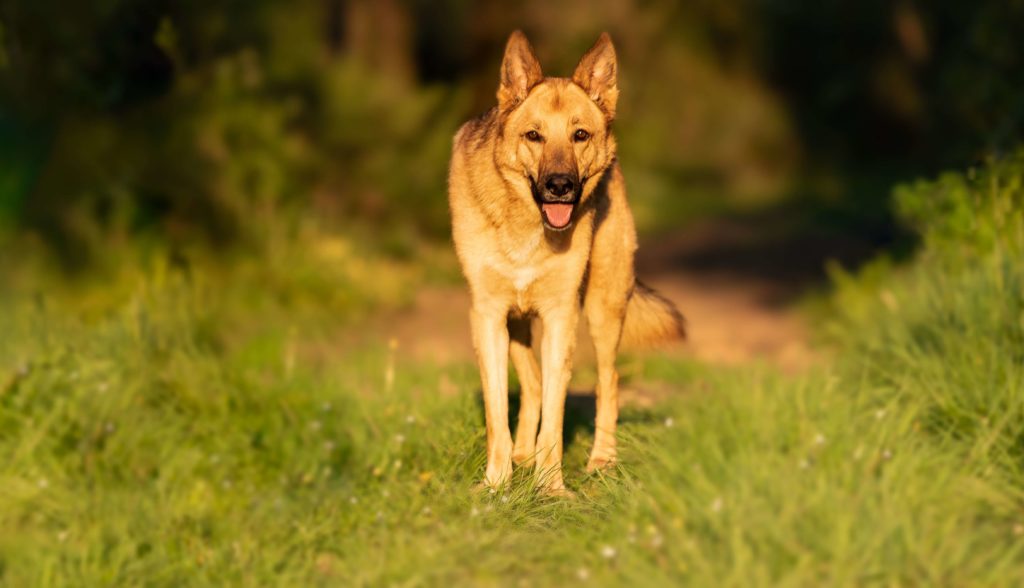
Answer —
152 443
136 452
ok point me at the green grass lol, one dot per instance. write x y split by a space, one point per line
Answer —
151 444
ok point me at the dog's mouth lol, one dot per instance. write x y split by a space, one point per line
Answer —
555 211
557 215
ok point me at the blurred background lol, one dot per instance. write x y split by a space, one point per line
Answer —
138 132
207 121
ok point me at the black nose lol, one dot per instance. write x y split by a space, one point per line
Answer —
559 185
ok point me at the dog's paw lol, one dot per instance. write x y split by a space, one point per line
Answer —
560 492
551 484
483 487
499 470
523 457
600 462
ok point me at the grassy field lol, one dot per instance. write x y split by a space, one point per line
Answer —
161 436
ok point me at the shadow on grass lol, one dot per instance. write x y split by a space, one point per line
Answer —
580 412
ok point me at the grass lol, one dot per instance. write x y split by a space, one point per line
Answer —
151 444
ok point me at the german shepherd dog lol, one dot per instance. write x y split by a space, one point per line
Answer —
542 229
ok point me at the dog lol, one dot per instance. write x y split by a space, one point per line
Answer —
543 231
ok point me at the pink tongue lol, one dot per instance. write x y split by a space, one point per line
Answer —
557 214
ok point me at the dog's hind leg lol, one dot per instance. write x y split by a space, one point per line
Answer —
604 318
490 337
610 280
528 371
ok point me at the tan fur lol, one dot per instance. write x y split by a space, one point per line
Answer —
520 269
651 318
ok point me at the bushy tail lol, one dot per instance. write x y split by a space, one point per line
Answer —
651 318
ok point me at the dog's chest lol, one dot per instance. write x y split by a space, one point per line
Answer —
525 273
522 279
521 265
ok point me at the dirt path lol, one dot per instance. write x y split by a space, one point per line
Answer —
730 321
736 282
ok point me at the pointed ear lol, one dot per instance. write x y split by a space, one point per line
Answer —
520 71
596 74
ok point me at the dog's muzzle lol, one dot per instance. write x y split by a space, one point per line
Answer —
557 200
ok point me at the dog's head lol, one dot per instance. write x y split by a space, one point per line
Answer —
556 132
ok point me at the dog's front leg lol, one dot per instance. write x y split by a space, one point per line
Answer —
490 337
556 366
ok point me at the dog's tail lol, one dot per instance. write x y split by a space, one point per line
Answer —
651 318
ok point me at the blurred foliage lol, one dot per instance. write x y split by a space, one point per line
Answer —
968 214
926 82
969 223
223 122
949 328
186 121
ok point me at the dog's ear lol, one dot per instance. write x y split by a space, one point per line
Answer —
596 75
520 71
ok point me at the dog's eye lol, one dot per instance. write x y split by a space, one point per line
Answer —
581 136
533 136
